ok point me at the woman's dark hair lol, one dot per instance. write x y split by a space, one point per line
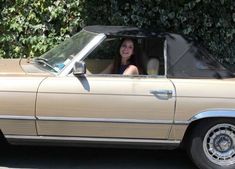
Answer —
135 58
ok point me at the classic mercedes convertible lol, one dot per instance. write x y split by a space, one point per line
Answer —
185 99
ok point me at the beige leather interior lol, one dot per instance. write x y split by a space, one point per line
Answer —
95 66
153 66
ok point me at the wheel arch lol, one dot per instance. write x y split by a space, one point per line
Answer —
205 116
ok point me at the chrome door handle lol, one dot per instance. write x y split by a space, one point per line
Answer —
162 93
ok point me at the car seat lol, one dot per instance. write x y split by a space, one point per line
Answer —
153 66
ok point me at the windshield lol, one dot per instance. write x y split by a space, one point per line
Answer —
57 58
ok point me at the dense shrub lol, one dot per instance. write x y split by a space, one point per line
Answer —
29 28
212 23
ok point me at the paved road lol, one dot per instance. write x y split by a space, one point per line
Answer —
92 158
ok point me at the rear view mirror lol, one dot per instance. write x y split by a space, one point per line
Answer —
79 68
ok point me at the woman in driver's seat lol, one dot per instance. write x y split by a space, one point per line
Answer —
126 61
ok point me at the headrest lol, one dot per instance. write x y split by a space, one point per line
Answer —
153 66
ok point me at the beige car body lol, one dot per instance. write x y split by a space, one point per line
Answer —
183 98
98 108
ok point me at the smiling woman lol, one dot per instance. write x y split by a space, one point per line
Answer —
125 60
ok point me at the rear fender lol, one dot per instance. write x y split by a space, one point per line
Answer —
215 113
203 115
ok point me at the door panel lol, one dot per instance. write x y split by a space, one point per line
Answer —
105 106
17 104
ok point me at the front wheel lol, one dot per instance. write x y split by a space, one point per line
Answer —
212 144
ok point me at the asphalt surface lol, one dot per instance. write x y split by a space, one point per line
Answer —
91 158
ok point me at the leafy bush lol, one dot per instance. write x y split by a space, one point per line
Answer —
212 23
29 28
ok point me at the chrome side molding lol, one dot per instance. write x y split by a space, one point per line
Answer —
229 113
12 117
104 120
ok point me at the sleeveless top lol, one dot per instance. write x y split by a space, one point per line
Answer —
122 69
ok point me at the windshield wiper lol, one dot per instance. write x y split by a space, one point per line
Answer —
45 62
43 59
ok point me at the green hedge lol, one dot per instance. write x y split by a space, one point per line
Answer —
29 28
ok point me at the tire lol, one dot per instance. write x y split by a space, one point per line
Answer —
212 144
3 141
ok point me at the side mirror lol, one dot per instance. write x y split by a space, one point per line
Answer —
79 68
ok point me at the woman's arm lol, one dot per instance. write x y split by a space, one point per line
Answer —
131 70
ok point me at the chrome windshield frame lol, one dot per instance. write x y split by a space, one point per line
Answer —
83 53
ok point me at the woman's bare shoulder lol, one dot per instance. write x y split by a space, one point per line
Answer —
131 70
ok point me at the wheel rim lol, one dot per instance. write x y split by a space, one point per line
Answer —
219 144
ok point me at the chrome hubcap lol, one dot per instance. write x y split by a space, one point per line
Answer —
219 144
222 143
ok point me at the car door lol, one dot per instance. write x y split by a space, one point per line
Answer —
17 98
105 106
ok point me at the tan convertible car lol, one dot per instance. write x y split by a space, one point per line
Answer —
184 98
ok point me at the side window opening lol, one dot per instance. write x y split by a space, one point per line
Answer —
101 57
150 53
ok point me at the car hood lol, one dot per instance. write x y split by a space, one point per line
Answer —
19 67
